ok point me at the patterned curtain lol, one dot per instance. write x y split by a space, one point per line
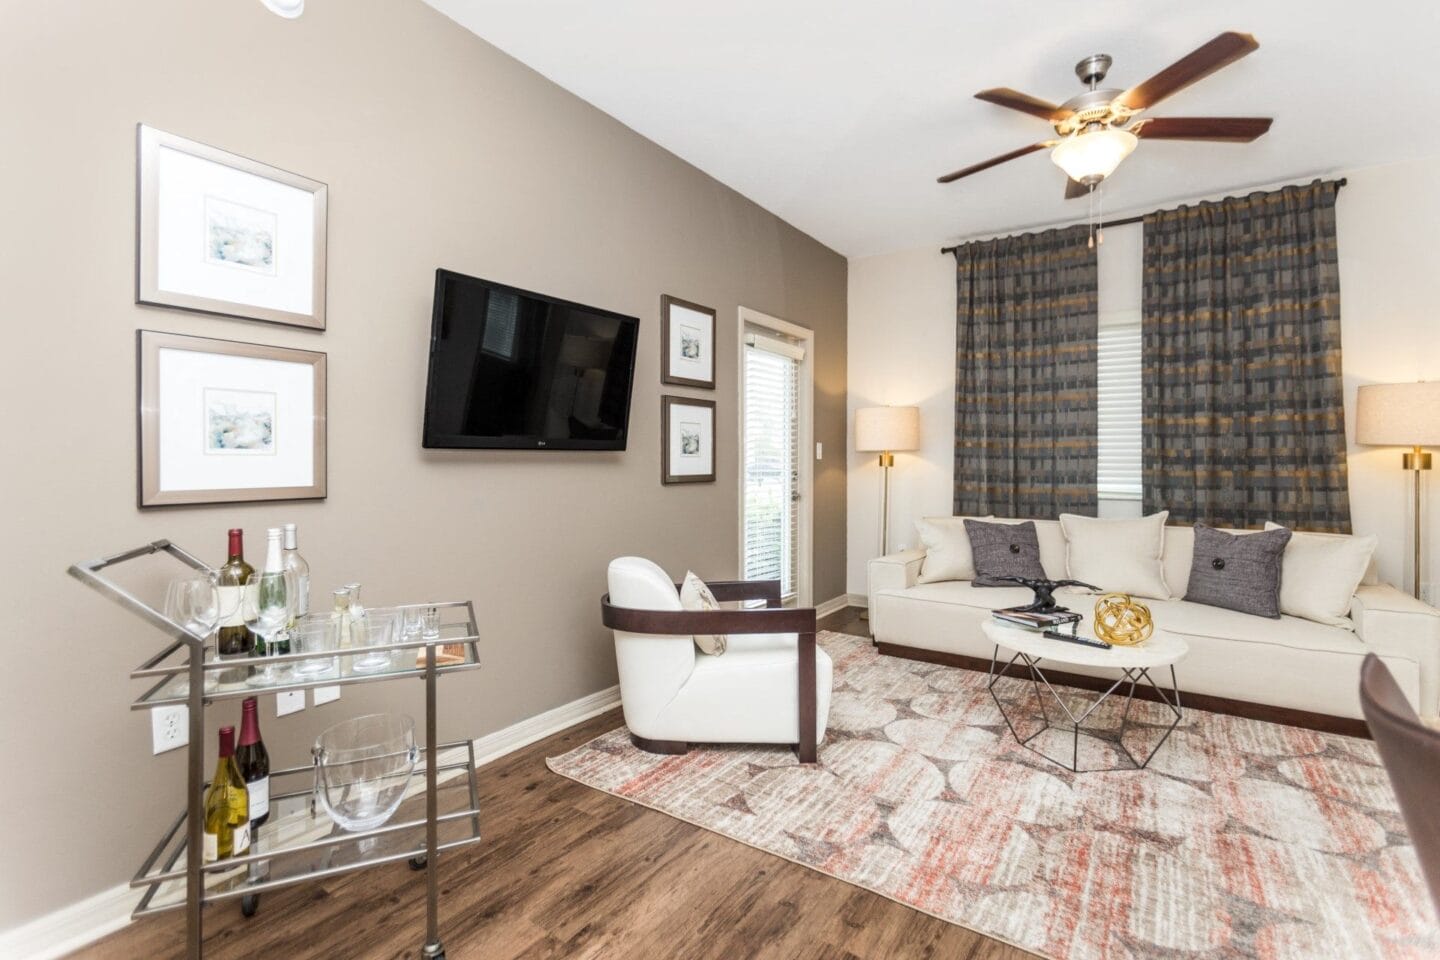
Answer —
1025 380
1244 417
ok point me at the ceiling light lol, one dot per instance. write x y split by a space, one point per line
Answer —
289 9
1089 157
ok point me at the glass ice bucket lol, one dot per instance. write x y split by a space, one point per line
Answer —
362 767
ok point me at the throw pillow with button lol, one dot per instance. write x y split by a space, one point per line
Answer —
1238 571
1004 550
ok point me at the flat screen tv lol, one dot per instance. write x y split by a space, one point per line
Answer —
517 370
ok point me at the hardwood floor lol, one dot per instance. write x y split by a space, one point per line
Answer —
566 871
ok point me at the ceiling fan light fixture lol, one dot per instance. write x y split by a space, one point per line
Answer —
1089 157
289 9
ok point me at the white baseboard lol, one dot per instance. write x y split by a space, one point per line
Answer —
70 928
861 600
833 605
492 746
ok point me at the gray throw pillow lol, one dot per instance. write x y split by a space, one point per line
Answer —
1004 550
1238 571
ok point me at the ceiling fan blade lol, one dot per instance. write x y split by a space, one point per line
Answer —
1196 65
1225 129
1074 188
992 162
1015 100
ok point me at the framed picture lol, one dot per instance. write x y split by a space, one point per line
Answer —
687 343
687 440
225 422
222 234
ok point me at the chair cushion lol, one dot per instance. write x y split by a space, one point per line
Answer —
1004 550
1118 556
695 595
947 549
750 695
1238 571
1319 574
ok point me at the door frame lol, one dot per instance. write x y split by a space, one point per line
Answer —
805 532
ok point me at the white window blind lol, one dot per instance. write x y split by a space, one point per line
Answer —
772 459
1119 410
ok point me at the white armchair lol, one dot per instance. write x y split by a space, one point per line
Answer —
772 684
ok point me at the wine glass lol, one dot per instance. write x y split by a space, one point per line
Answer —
267 612
199 605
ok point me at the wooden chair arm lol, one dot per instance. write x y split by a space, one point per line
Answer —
671 622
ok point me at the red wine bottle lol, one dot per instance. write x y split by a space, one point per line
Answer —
234 639
254 762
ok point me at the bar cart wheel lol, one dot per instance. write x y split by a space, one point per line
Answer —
249 904
416 863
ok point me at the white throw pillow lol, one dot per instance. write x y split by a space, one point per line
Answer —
1118 556
1319 573
694 595
947 549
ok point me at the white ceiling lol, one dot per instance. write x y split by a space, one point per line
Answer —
838 115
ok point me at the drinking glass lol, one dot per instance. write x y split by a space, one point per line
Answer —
431 622
316 634
197 604
379 627
412 622
267 613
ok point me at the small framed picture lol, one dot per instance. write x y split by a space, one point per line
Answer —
687 440
222 234
687 343
226 422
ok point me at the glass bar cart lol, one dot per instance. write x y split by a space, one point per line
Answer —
299 841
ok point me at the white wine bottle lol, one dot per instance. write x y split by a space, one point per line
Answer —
299 572
227 806
234 639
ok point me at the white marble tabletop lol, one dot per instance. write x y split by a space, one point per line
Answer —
1162 649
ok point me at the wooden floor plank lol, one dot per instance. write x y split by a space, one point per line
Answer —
570 872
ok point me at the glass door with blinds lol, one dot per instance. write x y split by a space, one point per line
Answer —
773 479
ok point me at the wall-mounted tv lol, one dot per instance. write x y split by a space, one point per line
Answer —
512 369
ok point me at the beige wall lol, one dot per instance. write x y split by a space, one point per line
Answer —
438 151
902 347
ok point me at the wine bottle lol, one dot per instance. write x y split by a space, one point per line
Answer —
227 806
273 595
254 762
300 574
234 639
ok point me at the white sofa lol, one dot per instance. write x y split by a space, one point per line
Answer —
1290 663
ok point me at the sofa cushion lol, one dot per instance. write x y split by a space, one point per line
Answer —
1118 556
1237 571
1004 550
1320 573
694 595
947 549
1200 620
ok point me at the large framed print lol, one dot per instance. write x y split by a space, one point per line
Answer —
687 343
687 441
226 422
219 233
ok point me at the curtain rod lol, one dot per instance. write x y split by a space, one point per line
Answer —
1123 221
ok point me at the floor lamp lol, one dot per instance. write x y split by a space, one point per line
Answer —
1402 415
885 430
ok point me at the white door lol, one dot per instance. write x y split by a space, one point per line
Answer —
775 467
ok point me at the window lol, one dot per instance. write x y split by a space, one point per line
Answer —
1121 274
772 460
1119 410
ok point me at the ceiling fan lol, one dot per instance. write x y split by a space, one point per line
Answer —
1100 127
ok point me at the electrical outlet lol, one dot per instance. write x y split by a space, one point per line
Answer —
169 728
288 703
819 450
325 695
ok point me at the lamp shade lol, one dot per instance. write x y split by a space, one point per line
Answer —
887 428
1091 157
1398 414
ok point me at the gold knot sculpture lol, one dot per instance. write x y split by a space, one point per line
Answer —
1122 620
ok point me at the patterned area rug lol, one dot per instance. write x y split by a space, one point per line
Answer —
1242 838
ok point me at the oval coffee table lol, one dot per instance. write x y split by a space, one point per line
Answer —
1134 663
